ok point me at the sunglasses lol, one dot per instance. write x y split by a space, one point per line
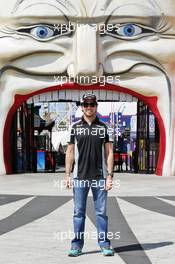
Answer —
93 104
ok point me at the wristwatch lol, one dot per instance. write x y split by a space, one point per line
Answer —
111 174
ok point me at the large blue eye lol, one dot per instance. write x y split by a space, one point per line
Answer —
129 30
45 32
42 32
126 30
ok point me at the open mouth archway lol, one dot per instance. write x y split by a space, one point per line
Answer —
109 91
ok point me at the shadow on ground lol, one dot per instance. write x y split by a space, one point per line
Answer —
147 246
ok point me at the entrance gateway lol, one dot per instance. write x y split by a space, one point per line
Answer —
40 126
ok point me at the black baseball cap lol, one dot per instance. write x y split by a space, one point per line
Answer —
88 97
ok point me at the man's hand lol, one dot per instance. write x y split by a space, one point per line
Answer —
108 183
68 182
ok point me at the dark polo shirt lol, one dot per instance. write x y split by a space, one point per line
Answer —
89 140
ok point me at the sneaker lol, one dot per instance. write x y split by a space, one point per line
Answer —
107 251
75 252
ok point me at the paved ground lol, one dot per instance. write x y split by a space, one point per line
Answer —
36 220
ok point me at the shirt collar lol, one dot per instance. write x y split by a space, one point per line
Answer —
96 120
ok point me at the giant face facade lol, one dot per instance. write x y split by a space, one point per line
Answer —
130 41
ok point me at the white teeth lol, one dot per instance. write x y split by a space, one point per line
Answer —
36 99
102 94
62 95
122 97
68 95
42 97
129 98
109 95
74 95
116 96
49 97
55 95
134 99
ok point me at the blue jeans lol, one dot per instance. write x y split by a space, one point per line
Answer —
80 191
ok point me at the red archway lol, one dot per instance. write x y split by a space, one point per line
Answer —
151 102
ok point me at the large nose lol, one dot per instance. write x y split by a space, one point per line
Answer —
86 59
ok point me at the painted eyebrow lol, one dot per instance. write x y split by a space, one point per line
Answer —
152 3
65 3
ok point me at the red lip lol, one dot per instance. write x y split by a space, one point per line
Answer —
151 102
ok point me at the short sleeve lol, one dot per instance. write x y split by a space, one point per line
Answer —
71 136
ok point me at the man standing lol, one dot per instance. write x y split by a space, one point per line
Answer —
91 148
